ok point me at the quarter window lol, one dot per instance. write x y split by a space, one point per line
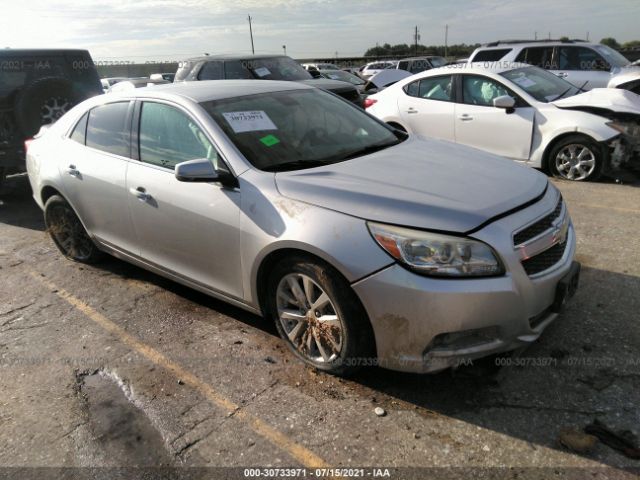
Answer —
107 128
80 131
478 90
168 137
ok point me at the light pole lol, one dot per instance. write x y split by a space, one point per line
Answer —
446 39
253 51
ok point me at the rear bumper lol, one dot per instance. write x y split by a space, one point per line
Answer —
424 324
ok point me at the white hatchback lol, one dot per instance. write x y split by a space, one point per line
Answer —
520 112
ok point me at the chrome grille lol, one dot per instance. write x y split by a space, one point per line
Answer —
539 227
545 260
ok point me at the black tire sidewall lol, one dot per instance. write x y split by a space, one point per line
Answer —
31 99
358 341
594 146
56 201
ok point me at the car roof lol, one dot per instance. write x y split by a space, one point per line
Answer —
234 57
207 90
41 51
476 67
534 43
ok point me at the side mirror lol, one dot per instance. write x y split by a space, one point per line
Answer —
505 101
201 170
315 73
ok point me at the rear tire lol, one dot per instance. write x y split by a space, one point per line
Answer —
319 316
576 158
68 233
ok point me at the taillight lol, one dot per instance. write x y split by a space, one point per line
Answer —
27 143
369 102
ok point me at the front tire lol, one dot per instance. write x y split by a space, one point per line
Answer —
577 158
319 316
68 233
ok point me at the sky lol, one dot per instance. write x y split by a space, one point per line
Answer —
172 30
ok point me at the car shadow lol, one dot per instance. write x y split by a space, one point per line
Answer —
17 206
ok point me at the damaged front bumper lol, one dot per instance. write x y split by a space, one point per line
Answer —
624 152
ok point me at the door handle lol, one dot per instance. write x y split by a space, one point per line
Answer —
465 117
140 193
71 170
412 110
562 74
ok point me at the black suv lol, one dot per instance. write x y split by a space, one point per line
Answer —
36 88
260 67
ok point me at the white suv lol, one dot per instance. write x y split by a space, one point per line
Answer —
585 65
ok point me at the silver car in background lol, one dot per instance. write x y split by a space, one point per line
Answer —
364 245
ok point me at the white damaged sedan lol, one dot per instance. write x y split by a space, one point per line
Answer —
520 112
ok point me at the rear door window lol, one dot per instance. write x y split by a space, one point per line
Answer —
211 71
539 56
436 88
108 129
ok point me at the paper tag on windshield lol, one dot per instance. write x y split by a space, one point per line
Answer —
262 71
524 82
254 121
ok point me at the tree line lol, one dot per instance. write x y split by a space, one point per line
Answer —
461 49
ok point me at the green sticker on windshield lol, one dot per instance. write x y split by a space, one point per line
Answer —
270 140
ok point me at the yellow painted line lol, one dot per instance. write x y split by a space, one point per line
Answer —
593 205
275 437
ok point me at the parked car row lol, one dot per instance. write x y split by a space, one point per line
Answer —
520 112
364 243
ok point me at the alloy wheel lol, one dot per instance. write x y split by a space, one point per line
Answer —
53 109
575 162
309 318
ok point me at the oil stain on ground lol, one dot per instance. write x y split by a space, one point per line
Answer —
121 429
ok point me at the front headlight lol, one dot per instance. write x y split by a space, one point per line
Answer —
435 254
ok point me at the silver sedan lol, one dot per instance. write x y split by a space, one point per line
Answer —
364 245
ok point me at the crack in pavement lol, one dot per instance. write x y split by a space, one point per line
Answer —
251 401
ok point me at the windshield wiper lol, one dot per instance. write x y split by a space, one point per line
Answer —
294 165
562 94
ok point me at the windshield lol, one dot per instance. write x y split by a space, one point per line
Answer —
343 76
276 68
540 84
614 58
276 131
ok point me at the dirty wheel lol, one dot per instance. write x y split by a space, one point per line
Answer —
319 316
576 158
68 233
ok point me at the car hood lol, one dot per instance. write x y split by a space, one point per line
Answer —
624 75
614 99
327 84
420 183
